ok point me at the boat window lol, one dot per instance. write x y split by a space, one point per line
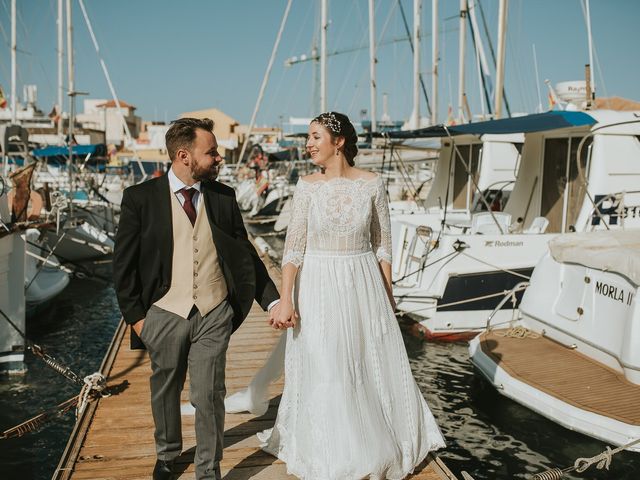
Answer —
461 178
554 180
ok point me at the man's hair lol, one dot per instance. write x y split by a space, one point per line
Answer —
182 133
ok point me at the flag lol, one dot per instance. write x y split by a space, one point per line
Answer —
450 119
3 100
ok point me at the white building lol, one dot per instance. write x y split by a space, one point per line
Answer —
100 114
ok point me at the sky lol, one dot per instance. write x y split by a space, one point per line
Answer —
167 57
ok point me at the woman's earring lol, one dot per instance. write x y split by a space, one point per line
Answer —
337 152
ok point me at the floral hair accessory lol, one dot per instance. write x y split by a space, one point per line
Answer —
329 121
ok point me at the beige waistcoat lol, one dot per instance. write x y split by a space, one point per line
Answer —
196 275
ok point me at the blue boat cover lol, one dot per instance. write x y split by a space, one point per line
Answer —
537 122
97 149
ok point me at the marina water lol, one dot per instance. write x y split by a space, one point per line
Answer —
488 435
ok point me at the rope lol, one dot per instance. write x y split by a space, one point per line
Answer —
39 420
517 332
426 266
94 386
601 461
461 302
506 270
39 352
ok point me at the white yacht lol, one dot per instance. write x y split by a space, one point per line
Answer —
572 355
450 278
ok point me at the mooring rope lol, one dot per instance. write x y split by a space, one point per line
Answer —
601 461
93 386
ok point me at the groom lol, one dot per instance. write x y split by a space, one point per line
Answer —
186 276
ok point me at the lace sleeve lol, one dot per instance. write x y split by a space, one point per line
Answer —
381 224
296 239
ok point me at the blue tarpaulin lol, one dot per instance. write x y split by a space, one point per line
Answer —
96 150
538 122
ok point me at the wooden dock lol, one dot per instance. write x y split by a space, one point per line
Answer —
113 439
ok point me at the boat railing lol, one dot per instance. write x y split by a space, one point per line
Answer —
508 295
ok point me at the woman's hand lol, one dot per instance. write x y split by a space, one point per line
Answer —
285 316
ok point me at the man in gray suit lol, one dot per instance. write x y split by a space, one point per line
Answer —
186 276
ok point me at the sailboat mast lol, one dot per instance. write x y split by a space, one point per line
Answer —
502 34
323 55
417 16
372 65
590 40
60 53
265 80
434 62
14 49
461 64
72 102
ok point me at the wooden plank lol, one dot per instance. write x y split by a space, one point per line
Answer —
115 440
581 381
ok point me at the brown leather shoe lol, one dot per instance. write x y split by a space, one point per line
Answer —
163 471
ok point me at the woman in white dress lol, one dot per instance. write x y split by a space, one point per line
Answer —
350 408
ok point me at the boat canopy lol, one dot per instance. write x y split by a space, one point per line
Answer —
98 149
537 122
615 251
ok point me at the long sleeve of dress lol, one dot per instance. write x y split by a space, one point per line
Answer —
381 224
296 240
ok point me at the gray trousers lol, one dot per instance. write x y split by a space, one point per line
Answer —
199 344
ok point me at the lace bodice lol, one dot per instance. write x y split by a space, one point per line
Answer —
339 216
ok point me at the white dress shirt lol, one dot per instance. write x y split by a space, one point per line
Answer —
176 185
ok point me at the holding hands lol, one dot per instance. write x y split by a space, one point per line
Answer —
283 315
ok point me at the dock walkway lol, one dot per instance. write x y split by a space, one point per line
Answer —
114 437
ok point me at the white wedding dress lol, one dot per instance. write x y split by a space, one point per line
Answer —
350 408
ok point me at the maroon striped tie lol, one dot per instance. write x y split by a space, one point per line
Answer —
189 209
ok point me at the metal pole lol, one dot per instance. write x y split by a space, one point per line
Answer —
461 64
535 66
264 83
417 17
434 62
60 52
323 56
590 40
14 49
372 64
502 34
72 102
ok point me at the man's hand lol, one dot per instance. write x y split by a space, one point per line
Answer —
137 327
285 317
272 313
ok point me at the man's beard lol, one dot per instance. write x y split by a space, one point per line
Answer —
199 173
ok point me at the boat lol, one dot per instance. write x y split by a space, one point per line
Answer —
451 277
572 354
44 276
12 298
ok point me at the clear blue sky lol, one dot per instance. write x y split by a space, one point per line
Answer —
166 56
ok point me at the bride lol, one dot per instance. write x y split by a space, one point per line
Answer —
350 408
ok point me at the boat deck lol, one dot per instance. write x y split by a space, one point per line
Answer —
114 438
580 381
